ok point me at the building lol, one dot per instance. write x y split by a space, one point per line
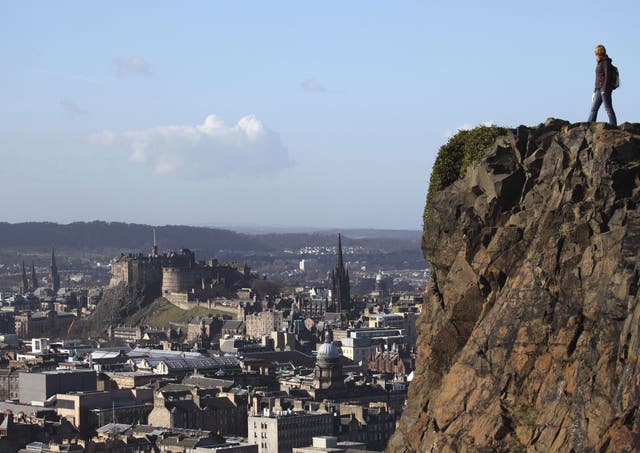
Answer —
280 432
405 321
399 360
193 407
330 444
54 277
178 277
383 286
328 378
357 349
90 410
313 304
371 424
38 388
43 323
125 333
203 329
9 384
260 324
340 286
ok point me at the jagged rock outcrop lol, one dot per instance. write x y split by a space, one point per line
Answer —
530 332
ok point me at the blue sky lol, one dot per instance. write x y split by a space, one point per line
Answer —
317 114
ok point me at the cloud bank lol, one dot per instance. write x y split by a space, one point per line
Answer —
136 66
208 150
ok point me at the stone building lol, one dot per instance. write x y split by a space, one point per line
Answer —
178 277
9 384
39 324
281 431
203 329
357 349
90 410
398 360
193 407
259 324
328 378
125 333
371 424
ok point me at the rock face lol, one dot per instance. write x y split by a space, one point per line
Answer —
530 332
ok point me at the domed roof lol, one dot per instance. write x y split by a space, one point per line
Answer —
328 350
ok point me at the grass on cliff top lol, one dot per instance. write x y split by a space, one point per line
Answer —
454 157
161 312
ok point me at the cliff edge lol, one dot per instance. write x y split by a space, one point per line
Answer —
530 331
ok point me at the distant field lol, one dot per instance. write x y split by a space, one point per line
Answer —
161 312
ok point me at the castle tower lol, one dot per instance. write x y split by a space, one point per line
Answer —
34 278
53 273
341 291
24 284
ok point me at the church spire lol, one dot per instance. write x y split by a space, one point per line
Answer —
154 249
340 260
340 294
34 278
24 284
53 273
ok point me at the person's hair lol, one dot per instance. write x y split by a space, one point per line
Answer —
601 52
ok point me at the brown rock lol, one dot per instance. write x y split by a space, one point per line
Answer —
530 332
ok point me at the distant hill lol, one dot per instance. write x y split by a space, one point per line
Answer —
101 235
125 236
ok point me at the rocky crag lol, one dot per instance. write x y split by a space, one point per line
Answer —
530 332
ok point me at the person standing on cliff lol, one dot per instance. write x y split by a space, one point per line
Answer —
604 86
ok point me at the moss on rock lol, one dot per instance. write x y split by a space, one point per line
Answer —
454 157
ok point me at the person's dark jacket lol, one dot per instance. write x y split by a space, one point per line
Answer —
603 75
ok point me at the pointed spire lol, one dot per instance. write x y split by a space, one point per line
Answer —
24 284
34 278
154 249
53 274
340 295
340 260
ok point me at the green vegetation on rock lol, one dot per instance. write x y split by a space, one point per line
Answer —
463 149
160 313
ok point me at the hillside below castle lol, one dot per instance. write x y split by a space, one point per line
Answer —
530 333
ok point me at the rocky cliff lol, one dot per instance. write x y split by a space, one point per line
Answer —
530 332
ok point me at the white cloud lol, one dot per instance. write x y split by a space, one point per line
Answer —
448 133
208 150
72 108
126 66
313 86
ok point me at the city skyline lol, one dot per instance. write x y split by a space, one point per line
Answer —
286 114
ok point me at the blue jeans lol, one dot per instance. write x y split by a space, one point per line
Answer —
598 99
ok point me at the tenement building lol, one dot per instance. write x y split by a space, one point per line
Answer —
281 431
263 323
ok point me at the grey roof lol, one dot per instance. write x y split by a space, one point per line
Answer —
117 428
205 382
158 353
232 324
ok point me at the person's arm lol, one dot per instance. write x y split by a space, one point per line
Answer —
605 82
